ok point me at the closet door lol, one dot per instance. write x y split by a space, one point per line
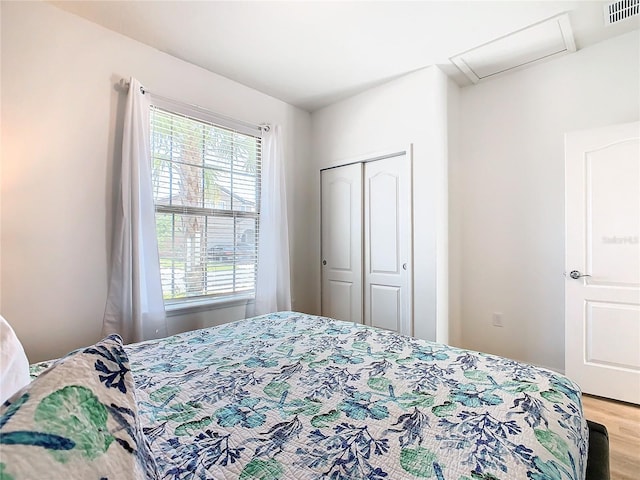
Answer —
342 242
387 234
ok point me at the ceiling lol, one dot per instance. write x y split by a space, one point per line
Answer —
313 53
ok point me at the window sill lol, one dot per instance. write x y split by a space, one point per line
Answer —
194 306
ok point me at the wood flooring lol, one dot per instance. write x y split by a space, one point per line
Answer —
623 424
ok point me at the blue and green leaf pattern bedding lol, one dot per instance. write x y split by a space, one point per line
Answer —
76 420
294 396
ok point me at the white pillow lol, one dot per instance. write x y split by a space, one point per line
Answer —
14 366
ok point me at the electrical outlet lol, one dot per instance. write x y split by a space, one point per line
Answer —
497 319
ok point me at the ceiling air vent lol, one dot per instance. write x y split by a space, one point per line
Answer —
617 11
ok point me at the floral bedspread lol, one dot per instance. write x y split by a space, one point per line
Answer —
294 396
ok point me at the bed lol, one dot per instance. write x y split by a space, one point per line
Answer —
296 396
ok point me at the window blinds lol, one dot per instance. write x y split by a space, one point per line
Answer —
206 186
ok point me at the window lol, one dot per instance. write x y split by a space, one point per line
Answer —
206 187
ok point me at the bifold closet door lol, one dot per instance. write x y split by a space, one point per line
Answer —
387 241
342 242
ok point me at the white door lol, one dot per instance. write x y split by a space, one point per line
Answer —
387 238
342 242
602 295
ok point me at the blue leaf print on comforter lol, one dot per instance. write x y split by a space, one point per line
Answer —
295 396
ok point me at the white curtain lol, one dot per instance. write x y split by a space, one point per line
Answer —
135 307
273 292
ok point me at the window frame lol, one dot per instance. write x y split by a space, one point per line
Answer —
208 302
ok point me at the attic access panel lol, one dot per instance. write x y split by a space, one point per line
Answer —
549 38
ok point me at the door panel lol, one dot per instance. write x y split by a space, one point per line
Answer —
384 222
387 240
342 242
341 300
604 321
385 307
602 318
339 220
612 177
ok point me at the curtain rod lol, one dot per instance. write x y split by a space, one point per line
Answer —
265 127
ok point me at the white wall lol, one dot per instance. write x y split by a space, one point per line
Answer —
0 165
61 123
454 214
510 188
409 110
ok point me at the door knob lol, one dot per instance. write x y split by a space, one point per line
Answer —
324 262
575 274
